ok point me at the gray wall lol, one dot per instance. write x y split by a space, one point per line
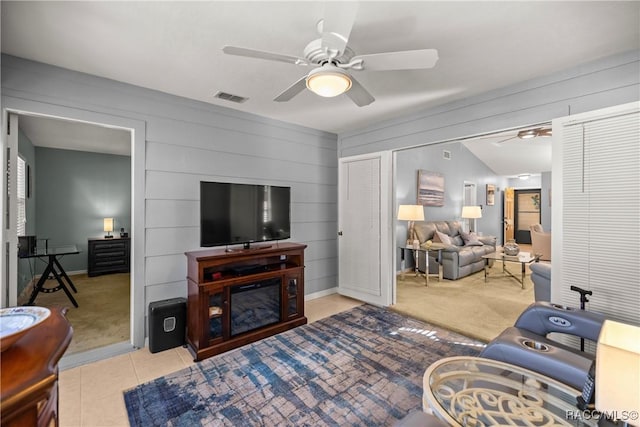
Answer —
607 82
463 166
28 152
188 141
76 191
611 81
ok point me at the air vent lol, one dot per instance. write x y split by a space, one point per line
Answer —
446 154
230 97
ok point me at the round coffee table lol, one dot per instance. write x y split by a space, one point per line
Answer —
473 391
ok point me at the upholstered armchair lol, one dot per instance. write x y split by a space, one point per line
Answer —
540 242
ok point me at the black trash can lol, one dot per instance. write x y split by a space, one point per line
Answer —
167 324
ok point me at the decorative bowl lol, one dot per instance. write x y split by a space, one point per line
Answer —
16 321
511 248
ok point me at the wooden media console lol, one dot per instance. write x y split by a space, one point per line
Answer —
242 296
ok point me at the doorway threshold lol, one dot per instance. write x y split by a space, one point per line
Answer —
94 355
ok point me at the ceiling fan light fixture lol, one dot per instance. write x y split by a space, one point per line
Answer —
545 132
526 134
532 133
328 81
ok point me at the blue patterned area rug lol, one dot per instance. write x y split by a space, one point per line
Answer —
362 367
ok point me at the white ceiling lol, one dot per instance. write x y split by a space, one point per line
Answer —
175 47
71 135
509 156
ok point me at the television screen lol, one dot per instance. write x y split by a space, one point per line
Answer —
243 213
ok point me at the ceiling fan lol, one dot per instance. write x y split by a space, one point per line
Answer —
543 132
333 60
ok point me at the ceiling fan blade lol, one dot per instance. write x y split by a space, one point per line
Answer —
292 90
502 141
359 94
260 54
403 60
337 24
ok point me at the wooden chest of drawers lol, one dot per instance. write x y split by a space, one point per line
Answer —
108 256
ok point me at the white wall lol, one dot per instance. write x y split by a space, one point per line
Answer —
189 141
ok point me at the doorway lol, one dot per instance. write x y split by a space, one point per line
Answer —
508 214
136 132
80 174
527 213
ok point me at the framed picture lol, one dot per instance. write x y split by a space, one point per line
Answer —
491 194
430 188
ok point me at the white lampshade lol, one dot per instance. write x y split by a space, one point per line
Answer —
471 212
411 213
108 224
618 369
328 81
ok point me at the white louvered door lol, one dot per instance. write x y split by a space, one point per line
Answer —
600 233
364 240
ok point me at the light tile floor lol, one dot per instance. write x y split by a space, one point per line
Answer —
91 395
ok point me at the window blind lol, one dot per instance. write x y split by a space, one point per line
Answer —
601 214
21 216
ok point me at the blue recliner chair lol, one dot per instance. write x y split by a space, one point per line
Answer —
526 344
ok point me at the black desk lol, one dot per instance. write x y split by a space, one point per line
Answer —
53 267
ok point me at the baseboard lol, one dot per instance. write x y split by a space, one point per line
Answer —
321 294
90 356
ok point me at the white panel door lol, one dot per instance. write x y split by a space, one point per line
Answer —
364 243
9 261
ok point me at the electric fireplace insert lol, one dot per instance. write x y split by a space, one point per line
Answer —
255 305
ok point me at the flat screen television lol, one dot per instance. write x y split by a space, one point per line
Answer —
243 213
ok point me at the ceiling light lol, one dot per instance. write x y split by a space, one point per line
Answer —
328 81
526 134
524 176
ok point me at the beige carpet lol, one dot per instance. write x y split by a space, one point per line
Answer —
469 305
102 316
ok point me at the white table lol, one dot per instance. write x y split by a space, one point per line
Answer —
473 391
523 258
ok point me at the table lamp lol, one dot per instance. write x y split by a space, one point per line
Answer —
618 372
411 213
471 212
108 227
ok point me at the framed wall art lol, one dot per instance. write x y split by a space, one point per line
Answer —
430 188
491 194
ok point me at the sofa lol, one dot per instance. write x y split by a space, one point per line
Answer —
458 259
